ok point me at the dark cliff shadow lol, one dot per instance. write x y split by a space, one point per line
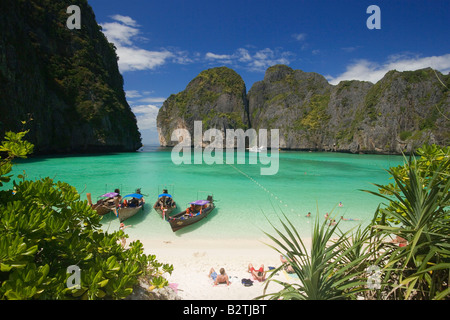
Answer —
46 157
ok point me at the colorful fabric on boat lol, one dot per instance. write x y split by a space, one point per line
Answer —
200 202
165 195
134 195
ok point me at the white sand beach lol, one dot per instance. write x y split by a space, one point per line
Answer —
193 259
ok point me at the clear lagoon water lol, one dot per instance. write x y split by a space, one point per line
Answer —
313 182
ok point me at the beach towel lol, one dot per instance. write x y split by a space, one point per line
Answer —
231 280
290 276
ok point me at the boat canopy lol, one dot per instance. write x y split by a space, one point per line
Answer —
200 202
110 195
134 195
165 194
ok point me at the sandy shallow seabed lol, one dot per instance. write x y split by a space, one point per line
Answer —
192 260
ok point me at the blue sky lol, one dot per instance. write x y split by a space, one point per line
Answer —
162 45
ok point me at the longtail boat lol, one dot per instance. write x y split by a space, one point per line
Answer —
199 210
129 207
165 204
105 203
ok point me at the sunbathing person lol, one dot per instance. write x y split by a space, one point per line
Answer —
402 242
259 274
287 267
349 219
219 278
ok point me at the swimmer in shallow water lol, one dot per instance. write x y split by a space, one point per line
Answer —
350 219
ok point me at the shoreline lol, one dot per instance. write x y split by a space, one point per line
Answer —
192 260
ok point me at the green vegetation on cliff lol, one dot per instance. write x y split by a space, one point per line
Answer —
67 81
316 117
397 114
216 96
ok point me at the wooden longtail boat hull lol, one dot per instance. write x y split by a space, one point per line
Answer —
102 209
128 212
168 211
182 220
102 206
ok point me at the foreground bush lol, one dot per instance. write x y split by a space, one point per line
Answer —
417 211
403 254
45 229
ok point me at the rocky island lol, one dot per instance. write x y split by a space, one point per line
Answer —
63 85
217 97
397 114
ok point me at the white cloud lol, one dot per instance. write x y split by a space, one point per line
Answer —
125 20
132 94
124 33
134 97
268 57
299 36
133 59
146 116
214 56
403 63
350 49
153 100
182 57
365 70
257 61
244 55
119 34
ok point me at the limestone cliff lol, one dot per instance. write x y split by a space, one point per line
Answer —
400 112
295 102
65 83
217 97
397 114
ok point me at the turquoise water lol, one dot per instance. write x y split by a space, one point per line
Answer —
306 182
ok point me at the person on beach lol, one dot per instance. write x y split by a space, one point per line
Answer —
123 227
308 215
219 278
332 222
350 219
327 216
118 194
287 267
117 200
259 274
402 242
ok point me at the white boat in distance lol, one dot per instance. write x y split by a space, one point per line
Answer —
257 149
